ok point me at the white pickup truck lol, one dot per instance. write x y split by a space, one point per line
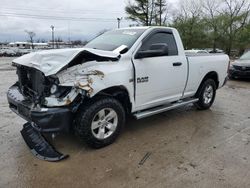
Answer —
139 71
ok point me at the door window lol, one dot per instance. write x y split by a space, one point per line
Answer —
163 38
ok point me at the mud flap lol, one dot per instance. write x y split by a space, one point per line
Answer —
39 146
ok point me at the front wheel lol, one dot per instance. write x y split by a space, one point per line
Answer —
206 94
100 122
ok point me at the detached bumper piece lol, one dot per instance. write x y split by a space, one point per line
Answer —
39 146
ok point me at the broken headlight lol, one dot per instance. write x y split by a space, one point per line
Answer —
53 89
59 91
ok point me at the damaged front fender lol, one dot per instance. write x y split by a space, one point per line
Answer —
57 102
80 77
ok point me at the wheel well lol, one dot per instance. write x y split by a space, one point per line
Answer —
211 75
121 94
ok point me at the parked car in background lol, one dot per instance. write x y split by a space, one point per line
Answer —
212 51
196 51
7 52
14 52
241 67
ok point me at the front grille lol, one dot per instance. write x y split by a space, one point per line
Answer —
241 68
32 82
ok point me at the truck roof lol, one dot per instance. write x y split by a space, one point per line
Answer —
146 27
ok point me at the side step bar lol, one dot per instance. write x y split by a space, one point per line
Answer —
164 108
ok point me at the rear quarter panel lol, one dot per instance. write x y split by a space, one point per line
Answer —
200 66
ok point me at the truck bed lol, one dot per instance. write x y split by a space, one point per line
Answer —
200 64
188 54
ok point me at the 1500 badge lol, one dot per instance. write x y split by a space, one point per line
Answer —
142 79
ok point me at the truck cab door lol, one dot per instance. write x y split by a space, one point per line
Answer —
160 72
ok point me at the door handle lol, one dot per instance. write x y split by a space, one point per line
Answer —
177 64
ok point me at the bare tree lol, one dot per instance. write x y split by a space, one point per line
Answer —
211 10
141 11
190 8
148 12
237 12
162 12
188 14
31 35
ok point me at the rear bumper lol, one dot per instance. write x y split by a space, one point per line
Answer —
46 120
225 81
239 73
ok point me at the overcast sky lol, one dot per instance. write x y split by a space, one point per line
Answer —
74 19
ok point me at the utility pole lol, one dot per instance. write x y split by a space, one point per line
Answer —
160 10
53 40
119 22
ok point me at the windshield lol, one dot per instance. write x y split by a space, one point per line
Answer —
111 40
245 56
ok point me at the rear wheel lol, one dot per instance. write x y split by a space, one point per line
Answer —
206 94
100 122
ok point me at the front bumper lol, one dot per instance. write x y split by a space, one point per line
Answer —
239 73
46 120
39 146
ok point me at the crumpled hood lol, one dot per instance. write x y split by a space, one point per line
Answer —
244 63
52 61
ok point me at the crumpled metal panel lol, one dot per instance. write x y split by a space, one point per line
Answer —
52 61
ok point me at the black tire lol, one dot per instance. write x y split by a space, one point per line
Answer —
202 104
87 113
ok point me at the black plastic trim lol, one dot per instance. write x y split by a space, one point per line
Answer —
48 120
39 146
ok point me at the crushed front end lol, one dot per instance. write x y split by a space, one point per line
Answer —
51 86
29 99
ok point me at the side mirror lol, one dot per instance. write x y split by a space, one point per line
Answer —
159 49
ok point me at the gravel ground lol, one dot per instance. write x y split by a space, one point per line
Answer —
5 64
186 147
